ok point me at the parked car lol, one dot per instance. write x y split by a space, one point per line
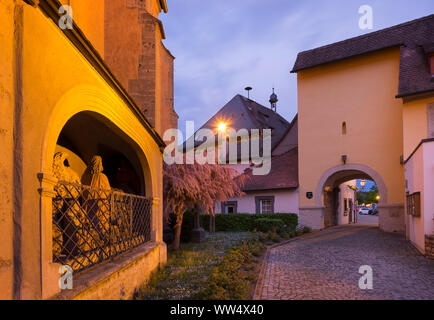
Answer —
365 210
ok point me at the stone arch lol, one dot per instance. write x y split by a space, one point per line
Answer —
349 172
87 98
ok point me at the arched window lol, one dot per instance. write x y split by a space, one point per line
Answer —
344 128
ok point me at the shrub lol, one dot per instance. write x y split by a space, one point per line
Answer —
267 224
244 222
307 230
238 223
273 236
227 281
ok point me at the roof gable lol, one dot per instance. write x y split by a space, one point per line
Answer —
243 113
418 31
414 37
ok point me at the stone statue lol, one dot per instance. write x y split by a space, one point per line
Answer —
93 175
67 212
96 199
63 172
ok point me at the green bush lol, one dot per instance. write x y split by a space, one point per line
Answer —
299 232
227 281
244 222
307 230
267 224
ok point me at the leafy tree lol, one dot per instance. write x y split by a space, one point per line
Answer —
187 186
368 196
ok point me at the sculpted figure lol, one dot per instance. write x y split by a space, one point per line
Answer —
96 200
67 213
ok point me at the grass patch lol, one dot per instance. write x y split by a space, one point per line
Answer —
187 270
225 266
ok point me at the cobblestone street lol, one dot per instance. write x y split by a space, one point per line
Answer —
325 266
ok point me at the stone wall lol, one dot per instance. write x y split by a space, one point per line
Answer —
312 217
429 246
391 217
119 279
134 51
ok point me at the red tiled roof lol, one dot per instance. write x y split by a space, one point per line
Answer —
283 174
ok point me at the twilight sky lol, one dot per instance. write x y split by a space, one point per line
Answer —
222 46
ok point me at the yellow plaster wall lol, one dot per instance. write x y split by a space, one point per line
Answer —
415 123
6 144
123 283
360 91
57 83
89 16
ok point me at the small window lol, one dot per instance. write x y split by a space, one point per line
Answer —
264 204
346 205
344 128
229 207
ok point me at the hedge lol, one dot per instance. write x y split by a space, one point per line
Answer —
243 222
266 224
239 222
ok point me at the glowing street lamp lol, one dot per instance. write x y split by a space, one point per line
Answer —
377 198
363 183
222 126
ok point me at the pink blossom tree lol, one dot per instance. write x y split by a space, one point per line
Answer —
193 185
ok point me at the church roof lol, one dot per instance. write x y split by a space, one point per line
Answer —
412 36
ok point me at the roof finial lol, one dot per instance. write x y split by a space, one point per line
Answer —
248 91
273 101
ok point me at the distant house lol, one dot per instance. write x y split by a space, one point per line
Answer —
278 190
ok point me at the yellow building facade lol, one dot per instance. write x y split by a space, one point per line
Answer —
57 94
362 110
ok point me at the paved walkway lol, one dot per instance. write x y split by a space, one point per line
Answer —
325 266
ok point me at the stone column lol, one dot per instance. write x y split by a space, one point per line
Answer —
157 230
49 271
429 246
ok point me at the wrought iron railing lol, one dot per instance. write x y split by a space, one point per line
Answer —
93 225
